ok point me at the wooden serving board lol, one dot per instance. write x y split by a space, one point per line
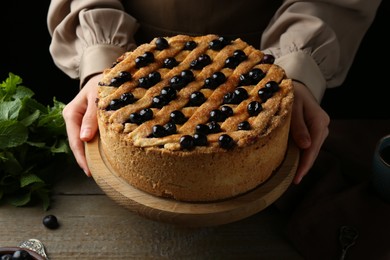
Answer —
187 213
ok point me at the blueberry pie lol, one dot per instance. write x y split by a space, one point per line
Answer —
200 118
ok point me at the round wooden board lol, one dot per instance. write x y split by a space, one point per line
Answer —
188 213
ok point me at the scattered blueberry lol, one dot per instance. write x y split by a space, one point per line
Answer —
50 221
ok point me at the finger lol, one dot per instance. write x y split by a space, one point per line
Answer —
73 120
89 123
306 161
298 128
79 153
319 131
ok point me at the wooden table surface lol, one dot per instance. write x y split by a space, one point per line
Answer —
92 226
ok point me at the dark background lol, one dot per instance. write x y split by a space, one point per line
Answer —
25 52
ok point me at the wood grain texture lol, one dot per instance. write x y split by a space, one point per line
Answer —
93 227
190 214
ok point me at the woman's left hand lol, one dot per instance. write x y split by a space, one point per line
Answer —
309 128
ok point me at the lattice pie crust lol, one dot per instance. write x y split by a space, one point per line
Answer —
195 118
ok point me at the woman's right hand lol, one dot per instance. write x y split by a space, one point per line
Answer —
81 120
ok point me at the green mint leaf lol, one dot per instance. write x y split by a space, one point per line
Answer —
23 92
29 109
10 109
19 200
33 140
37 144
52 121
9 164
44 195
12 134
31 118
30 105
61 146
29 179
11 89
9 86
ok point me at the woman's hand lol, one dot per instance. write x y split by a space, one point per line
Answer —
309 128
81 121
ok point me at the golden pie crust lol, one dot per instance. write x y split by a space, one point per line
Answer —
163 166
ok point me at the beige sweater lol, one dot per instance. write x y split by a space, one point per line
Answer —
314 41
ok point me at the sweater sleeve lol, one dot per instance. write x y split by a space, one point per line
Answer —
88 35
316 41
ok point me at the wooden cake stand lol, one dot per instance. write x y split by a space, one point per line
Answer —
188 213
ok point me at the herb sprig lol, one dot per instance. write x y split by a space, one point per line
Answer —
32 141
